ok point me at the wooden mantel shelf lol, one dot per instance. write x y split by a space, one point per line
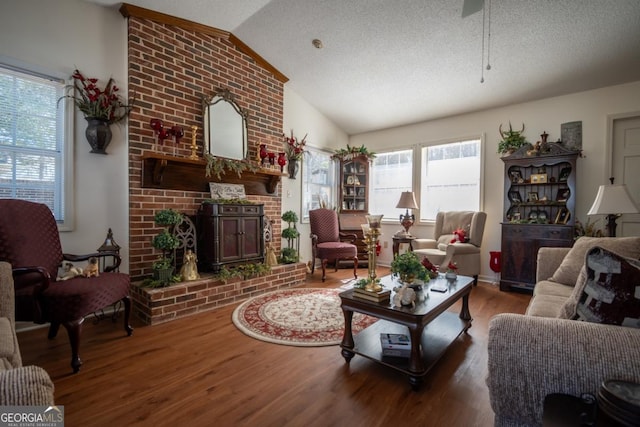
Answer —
176 173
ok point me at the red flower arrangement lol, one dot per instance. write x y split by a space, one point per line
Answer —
105 104
452 267
293 147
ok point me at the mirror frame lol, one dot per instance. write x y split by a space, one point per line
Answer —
210 142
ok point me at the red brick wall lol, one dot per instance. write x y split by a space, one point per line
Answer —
170 69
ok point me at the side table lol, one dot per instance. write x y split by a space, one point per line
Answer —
401 239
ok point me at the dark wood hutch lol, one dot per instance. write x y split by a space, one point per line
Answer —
539 210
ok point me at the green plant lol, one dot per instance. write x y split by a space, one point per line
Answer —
167 217
244 271
587 229
408 266
288 256
165 241
290 233
290 216
511 139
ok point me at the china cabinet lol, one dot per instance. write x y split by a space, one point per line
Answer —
539 210
354 184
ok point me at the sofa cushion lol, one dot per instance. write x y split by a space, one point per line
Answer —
568 271
545 306
568 310
546 287
612 292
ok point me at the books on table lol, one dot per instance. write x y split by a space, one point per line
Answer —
395 345
383 295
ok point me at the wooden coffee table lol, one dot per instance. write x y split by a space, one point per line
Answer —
430 326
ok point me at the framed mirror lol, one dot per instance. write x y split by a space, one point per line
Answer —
225 126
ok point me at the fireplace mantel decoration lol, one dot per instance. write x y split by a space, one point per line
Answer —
175 173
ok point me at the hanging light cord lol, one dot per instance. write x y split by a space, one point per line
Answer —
486 23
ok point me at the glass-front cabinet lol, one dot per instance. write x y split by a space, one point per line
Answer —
354 184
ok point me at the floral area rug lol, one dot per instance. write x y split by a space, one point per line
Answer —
305 317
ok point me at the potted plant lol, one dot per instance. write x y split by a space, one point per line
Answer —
408 267
289 254
166 242
511 140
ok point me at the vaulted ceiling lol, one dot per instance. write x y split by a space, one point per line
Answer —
387 63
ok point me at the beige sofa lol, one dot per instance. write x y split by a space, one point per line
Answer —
540 352
19 385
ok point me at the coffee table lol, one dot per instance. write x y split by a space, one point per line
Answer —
429 325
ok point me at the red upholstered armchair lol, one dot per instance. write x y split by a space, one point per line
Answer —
30 242
327 243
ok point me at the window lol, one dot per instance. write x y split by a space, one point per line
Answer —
391 174
33 155
318 181
450 178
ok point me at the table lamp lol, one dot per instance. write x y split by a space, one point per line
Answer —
407 201
613 201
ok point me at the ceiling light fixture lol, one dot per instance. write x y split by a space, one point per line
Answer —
317 43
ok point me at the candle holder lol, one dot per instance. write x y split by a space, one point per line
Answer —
194 146
371 232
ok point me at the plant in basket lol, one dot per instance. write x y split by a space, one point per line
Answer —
408 267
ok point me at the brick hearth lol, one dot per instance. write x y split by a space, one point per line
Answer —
154 306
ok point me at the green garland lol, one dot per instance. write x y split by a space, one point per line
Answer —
351 152
219 165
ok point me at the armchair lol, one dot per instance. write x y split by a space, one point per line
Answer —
326 242
466 255
19 385
30 242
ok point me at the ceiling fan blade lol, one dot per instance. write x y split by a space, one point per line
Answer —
469 7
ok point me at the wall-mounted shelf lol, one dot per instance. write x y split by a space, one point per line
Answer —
176 173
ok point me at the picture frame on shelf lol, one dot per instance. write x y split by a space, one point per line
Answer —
563 194
514 196
533 196
515 174
515 216
564 174
563 216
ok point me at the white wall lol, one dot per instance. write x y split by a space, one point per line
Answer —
322 133
591 107
61 35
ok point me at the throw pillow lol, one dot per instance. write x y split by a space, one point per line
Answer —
569 269
612 292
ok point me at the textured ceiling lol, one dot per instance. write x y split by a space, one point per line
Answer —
387 63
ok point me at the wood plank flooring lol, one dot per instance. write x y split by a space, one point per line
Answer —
202 371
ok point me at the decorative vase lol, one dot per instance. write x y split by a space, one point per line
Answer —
451 275
292 168
98 134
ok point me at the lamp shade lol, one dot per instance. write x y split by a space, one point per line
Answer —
407 201
613 199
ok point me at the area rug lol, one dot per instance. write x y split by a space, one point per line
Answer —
305 317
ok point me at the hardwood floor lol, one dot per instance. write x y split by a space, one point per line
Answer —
202 371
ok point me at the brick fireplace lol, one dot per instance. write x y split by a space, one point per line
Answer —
172 64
